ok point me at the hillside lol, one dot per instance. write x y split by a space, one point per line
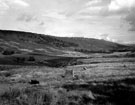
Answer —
32 41
131 45
30 48
89 45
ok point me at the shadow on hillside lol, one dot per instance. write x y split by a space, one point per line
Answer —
55 61
63 62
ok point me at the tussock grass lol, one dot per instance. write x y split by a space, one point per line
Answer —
40 96
26 97
106 93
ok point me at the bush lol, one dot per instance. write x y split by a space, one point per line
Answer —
8 52
31 58
19 60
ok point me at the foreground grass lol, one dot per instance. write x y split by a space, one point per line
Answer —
35 96
120 92
26 97
40 96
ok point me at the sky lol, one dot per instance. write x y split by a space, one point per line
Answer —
112 20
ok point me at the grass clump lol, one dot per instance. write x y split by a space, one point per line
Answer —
26 97
35 96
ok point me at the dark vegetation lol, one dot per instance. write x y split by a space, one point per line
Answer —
63 62
34 60
8 52
127 55
34 82
89 51
31 58
130 55
19 60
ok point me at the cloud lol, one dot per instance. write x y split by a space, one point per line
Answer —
93 2
54 14
20 2
16 2
117 5
97 8
123 9
30 18
7 4
130 18
129 42
3 7
89 12
105 37
91 8
26 17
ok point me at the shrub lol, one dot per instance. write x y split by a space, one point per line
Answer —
8 52
31 58
19 60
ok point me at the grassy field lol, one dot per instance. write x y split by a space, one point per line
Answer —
98 79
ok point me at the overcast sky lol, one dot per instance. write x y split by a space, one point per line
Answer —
112 20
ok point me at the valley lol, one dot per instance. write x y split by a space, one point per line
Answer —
46 70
